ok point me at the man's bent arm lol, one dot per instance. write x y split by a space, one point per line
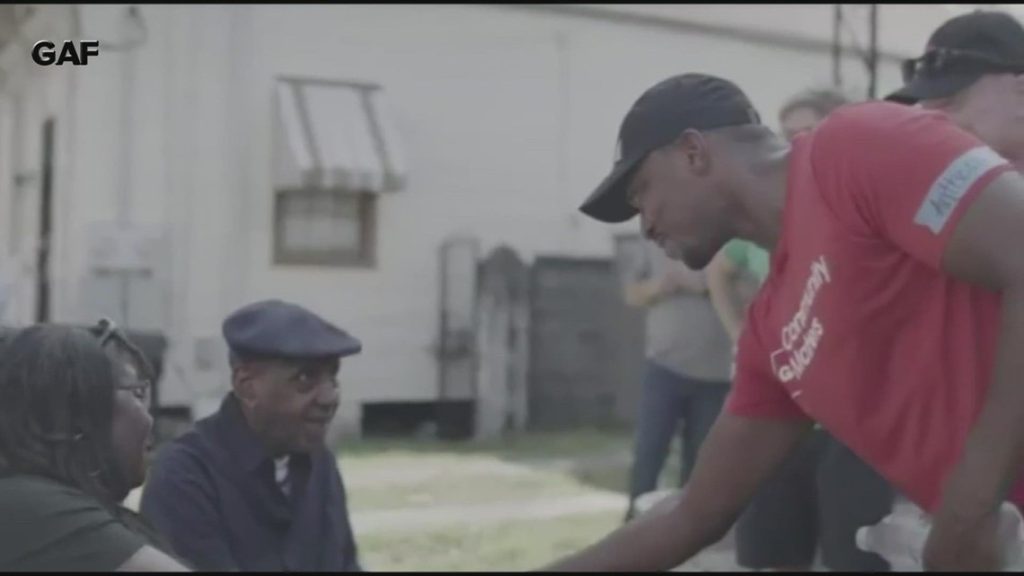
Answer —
983 250
679 278
737 456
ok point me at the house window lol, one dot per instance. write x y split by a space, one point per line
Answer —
335 153
325 227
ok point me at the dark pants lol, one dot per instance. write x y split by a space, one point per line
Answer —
667 398
819 498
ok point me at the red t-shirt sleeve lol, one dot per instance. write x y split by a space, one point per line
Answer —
756 393
901 173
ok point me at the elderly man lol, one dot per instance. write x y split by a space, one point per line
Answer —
253 487
893 312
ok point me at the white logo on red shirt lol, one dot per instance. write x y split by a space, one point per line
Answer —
954 182
801 335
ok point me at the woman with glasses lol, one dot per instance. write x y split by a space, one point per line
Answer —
74 430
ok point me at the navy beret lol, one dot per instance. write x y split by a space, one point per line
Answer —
277 329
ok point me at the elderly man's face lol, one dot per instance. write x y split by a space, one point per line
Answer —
290 403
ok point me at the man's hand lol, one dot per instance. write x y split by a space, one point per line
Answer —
965 528
963 544
737 456
965 525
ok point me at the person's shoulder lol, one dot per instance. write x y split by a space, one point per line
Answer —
50 526
26 494
735 249
857 124
34 506
200 441
29 483
181 464
741 244
872 112
189 452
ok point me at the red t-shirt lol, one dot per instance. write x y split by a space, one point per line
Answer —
857 326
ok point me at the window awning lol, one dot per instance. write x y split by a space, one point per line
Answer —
335 135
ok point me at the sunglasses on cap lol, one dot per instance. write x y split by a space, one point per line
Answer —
107 331
944 61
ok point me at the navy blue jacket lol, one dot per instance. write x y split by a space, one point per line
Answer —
211 493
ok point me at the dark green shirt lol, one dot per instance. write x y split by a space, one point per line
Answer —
48 526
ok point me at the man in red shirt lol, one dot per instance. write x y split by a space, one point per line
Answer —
893 313
970 70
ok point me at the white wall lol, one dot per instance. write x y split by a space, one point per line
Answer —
177 166
508 117
902 28
30 94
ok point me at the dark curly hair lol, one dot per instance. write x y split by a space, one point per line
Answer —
57 386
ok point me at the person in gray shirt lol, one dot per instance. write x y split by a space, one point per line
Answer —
687 370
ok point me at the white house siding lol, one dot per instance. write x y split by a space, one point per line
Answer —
507 115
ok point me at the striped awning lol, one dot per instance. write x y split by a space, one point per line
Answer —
335 135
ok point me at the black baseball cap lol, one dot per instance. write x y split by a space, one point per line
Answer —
960 52
657 118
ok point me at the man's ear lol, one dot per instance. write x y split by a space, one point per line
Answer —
694 147
244 382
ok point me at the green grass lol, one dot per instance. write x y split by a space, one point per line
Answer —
454 489
446 474
509 546
390 474
407 474
515 446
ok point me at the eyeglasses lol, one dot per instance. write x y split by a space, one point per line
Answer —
106 331
942 61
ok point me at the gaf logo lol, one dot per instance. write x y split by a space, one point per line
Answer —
45 53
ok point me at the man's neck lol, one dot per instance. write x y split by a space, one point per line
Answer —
762 199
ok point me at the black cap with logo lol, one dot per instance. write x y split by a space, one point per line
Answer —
960 52
657 118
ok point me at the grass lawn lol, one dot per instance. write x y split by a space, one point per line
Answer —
521 446
423 476
399 474
509 546
455 488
